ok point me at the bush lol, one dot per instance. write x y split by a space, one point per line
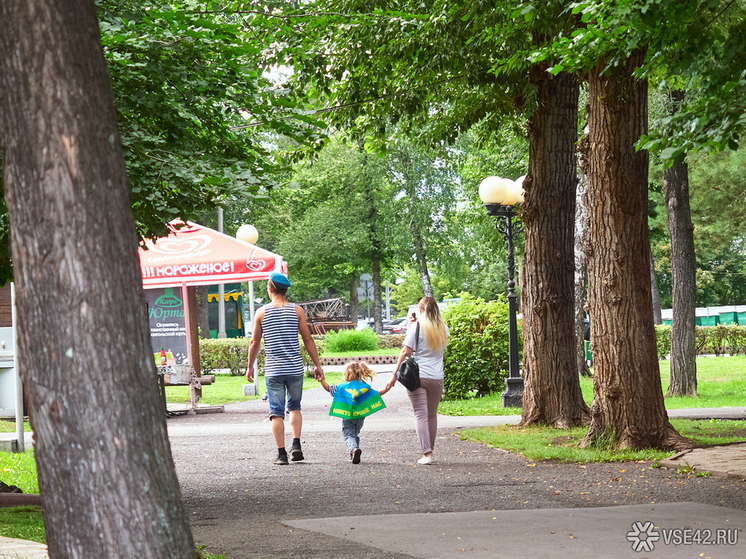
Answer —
717 340
476 358
736 339
663 340
233 354
320 342
352 340
720 339
226 353
391 341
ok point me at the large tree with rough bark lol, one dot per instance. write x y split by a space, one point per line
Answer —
106 475
551 389
628 403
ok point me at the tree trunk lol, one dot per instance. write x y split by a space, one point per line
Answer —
410 180
203 312
656 294
581 262
106 474
551 392
194 330
354 301
420 252
683 269
377 308
628 407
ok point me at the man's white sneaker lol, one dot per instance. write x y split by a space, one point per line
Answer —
426 460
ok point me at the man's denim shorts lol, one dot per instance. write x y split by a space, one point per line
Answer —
284 393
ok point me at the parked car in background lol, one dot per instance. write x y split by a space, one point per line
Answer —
396 326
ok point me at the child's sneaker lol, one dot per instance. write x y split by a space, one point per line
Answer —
355 456
282 459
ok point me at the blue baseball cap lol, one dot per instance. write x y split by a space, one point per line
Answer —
279 280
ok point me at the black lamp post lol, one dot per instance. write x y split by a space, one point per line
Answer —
499 196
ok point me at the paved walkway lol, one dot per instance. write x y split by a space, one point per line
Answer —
476 501
21 549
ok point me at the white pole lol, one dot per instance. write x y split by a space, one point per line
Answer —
251 304
388 302
19 385
251 316
221 289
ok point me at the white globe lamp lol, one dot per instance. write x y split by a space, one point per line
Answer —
493 190
247 234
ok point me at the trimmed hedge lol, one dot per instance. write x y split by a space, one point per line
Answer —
391 341
717 340
663 339
226 353
233 354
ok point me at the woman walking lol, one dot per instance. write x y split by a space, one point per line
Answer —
430 345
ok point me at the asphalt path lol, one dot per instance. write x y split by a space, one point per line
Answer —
475 501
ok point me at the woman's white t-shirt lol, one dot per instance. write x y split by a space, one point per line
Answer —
430 361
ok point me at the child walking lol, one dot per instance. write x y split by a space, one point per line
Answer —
354 400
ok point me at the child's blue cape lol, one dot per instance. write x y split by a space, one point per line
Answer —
355 399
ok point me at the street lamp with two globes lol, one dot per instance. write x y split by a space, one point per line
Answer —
500 197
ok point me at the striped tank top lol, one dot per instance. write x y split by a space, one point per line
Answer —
280 333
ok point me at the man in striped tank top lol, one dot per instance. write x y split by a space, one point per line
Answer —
279 323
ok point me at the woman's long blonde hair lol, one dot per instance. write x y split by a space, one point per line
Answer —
432 324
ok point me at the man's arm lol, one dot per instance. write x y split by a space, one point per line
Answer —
305 333
256 338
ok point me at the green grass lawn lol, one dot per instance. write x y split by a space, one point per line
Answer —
19 469
24 523
545 443
721 382
9 426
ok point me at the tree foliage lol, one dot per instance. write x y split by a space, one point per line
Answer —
342 214
191 98
692 44
717 189
194 105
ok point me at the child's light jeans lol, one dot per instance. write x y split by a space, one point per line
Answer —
351 432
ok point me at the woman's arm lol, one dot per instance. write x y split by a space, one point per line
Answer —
405 352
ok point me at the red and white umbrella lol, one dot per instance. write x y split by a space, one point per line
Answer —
198 255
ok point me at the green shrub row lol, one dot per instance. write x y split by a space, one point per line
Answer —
721 339
226 353
233 354
718 340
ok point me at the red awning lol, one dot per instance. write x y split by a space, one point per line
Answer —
197 255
